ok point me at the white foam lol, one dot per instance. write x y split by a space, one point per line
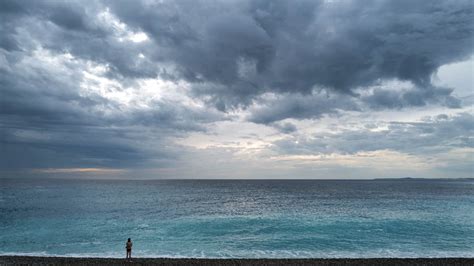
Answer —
383 253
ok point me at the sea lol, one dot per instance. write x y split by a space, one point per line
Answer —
238 218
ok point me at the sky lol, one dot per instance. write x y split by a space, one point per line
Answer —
237 89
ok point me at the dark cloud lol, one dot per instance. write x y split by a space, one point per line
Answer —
300 107
280 46
286 128
277 59
70 17
234 51
389 99
48 121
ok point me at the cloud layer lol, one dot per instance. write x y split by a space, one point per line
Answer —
118 84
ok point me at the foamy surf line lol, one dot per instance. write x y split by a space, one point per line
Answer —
31 260
282 254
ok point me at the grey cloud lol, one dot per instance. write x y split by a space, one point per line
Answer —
325 102
285 127
76 28
232 52
47 121
389 99
70 17
431 136
69 146
300 107
297 45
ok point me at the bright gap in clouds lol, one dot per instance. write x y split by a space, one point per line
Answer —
459 76
123 32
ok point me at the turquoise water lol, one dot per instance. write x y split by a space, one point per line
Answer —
247 219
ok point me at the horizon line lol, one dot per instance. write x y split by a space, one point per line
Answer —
245 179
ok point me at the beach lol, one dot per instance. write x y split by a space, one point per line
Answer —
17 260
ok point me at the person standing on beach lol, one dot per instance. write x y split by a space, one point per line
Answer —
128 246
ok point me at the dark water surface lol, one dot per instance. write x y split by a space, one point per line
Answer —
249 219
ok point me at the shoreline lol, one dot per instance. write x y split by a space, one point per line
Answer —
39 260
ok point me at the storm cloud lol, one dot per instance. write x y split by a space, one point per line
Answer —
281 46
235 51
120 83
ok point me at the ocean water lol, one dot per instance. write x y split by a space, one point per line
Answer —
245 219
